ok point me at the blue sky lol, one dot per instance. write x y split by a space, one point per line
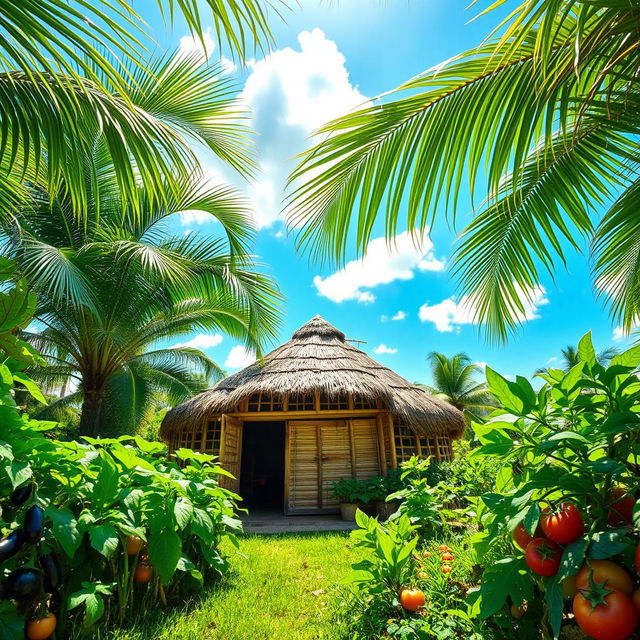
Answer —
329 57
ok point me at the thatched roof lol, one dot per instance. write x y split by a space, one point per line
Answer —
318 358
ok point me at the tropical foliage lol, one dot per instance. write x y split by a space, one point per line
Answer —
84 525
62 95
542 119
455 380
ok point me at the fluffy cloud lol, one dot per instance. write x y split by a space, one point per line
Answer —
291 93
382 348
451 313
401 315
201 341
619 334
239 357
383 263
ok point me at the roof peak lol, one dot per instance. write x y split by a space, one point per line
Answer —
318 326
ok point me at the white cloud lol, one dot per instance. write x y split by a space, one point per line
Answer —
382 348
552 359
239 357
205 46
619 334
383 263
291 93
201 341
451 313
401 315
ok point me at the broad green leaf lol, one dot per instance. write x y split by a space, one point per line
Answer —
531 518
628 358
19 473
606 544
586 352
555 604
506 578
183 511
104 539
105 488
11 622
503 391
573 558
165 550
65 529
31 387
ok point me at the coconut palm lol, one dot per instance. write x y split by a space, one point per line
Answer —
115 286
455 380
58 87
542 119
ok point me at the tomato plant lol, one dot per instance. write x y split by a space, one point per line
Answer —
605 614
604 571
569 446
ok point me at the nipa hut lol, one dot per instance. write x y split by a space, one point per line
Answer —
314 410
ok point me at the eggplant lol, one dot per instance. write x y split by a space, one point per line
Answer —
51 574
10 545
23 584
20 495
33 524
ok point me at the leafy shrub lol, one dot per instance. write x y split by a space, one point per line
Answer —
91 496
573 441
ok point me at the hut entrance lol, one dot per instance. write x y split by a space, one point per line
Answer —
262 469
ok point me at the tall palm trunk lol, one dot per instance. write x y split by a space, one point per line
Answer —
91 410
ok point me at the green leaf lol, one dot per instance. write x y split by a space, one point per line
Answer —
19 473
606 544
165 550
17 307
507 393
573 558
586 352
628 358
555 604
183 511
91 596
31 386
531 518
105 488
65 529
11 622
506 578
104 539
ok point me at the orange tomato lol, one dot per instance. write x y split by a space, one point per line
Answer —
41 628
426 554
447 557
143 573
134 545
412 599
446 568
444 547
605 571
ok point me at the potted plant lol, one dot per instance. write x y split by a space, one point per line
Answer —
380 488
349 493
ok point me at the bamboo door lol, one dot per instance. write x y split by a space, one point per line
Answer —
231 452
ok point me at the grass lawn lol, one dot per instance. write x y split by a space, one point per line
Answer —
284 589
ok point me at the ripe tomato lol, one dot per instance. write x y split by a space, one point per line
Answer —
543 557
636 599
610 573
447 557
564 524
522 537
134 545
615 619
426 554
412 599
41 628
143 573
621 510
446 569
444 547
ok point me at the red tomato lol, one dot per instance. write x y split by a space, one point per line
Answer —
143 573
543 557
636 599
41 628
134 545
607 572
522 537
621 510
412 599
426 554
564 524
615 619
447 557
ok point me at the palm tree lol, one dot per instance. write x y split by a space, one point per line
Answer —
542 119
571 357
58 87
454 380
116 285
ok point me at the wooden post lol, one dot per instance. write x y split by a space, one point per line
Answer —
287 464
382 453
394 457
352 445
319 441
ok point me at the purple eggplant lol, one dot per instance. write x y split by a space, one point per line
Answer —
10 545
23 584
33 524
51 574
20 495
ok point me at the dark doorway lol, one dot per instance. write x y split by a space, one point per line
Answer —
262 470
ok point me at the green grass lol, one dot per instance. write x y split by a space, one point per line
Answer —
285 588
